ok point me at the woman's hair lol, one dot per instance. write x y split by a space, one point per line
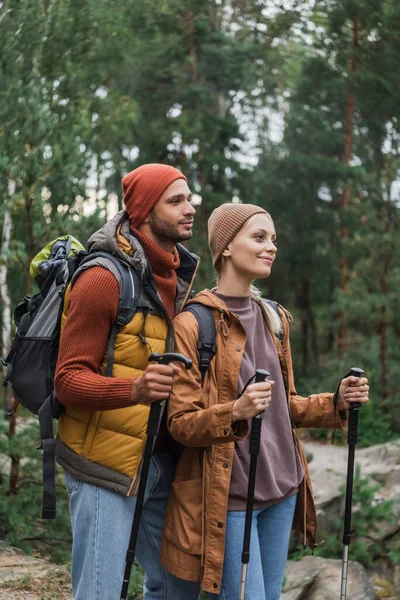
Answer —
273 317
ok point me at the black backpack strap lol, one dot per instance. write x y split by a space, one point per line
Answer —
275 306
129 297
206 344
46 413
129 303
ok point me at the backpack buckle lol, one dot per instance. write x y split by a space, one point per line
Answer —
121 321
204 363
201 345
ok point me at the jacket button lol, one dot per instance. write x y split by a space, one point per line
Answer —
220 525
238 349
215 585
225 465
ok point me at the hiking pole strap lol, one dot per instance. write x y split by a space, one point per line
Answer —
48 445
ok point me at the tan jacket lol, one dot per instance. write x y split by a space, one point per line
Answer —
201 419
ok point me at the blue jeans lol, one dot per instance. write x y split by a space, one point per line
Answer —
269 544
101 526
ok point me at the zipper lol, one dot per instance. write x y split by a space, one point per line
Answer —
133 488
170 333
190 286
132 283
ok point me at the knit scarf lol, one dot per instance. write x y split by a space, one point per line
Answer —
164 265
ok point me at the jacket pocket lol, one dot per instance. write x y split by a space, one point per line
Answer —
91 433
182 524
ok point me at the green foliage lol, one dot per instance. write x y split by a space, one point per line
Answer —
377 422
20 522
369 516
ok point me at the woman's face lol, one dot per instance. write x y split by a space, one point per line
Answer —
253 250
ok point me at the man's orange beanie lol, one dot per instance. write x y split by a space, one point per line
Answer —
143 188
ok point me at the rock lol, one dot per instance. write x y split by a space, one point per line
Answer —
320 579
28 578
328 472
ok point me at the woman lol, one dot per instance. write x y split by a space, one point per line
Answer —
204 525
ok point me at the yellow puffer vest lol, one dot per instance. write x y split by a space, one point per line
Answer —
105 447
115 438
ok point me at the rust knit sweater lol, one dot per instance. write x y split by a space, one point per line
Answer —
164 265
92 311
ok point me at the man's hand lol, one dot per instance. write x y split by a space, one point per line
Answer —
154 385
353 389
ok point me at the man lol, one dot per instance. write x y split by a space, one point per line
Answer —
101 436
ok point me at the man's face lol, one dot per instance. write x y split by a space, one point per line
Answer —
171 220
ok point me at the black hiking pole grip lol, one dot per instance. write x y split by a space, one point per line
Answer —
155 410
254 449
352 439
152 430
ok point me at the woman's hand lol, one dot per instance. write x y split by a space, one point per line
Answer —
255 399
353 389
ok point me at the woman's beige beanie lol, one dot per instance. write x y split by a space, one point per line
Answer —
225 222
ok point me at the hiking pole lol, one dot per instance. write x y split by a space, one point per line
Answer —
352 441
255 440
152 430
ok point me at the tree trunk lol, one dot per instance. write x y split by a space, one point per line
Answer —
5 299
304 342
4 293
314 334
14 471
383 320
308 327
382 328
6 332
343 332
31 242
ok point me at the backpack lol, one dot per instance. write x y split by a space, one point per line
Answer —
32 359
206 344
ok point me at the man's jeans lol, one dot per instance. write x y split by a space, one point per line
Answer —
101 526
269 543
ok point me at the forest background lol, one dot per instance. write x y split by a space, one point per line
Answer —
294 106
